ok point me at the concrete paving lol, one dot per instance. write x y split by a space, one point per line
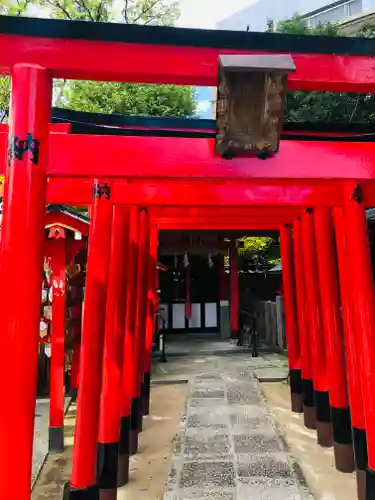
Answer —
210 343
40 446
228 446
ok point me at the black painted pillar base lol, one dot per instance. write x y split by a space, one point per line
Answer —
140 413
133 439
134 425
361 460
146 393
56 439
342 439
309 412
123 470
73 393
323 419
360 448
296 390
107 467
370 484
234 335
124 452
90 493
108 494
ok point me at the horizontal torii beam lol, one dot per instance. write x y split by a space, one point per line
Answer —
200 193
189 158
218 213
278 220
210 226
98 51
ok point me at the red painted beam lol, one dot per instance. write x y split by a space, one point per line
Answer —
184 193
172 64
57 128
66 127
114 156
209 226
224 220
219 212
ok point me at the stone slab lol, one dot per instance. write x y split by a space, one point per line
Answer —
272 374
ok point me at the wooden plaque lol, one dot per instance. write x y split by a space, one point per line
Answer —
250 103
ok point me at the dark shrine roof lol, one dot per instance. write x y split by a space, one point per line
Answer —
64 209
184 37
115 124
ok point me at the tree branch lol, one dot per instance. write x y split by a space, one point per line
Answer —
87 10
99 12
59 6
82 4
125 12
150 7
355 109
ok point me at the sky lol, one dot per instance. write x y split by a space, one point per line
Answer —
206 13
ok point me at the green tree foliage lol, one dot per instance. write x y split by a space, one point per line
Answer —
298 26
259 252
335 107
367 31
108 97
129 99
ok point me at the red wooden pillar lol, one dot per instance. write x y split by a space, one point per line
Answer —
83 483
22 263
128 359
334 337
317 339
234 299
109 428
352 356
57 251
140 331
291 319
150 319
361 279
305 346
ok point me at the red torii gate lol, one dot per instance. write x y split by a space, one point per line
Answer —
182 172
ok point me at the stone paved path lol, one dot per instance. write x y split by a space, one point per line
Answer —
228 446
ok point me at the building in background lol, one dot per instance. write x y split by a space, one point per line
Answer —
257 16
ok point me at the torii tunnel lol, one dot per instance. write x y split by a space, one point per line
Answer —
142 176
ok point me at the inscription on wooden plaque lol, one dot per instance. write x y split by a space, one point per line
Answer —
250 103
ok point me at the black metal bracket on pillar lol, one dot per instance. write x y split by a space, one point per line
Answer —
358 194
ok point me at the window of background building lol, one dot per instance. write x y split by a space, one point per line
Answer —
336 14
